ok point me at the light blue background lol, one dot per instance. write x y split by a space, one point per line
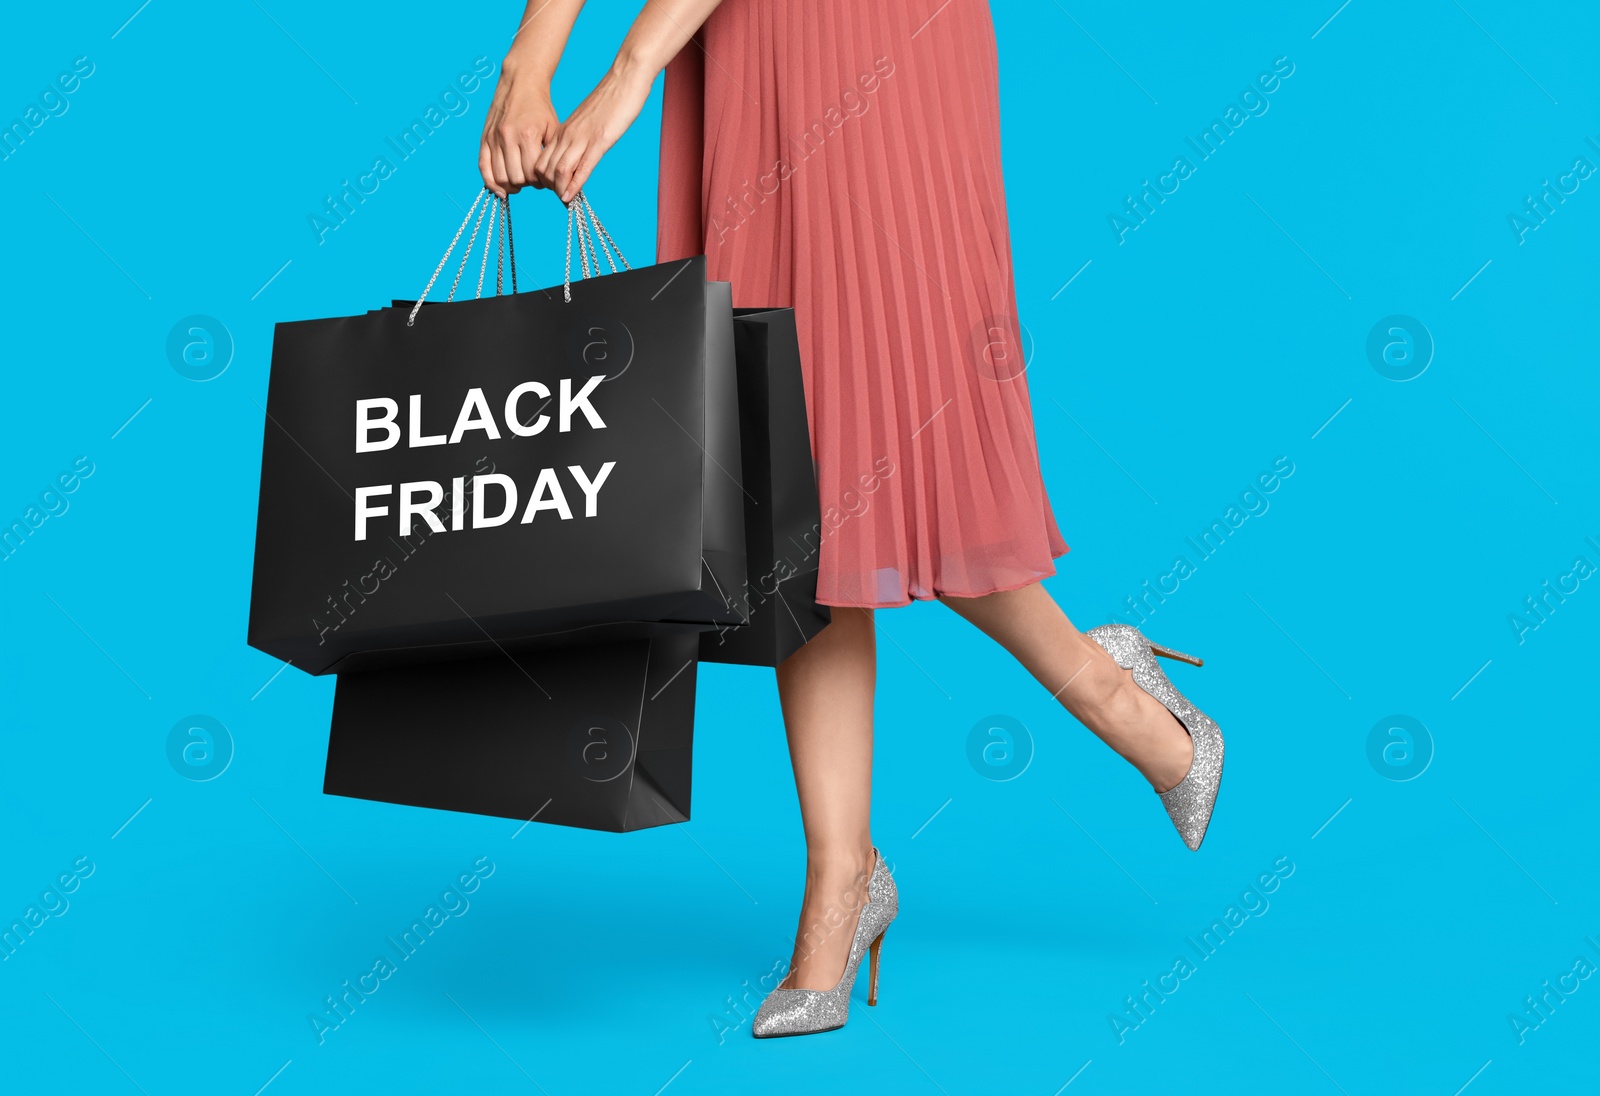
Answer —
1230 330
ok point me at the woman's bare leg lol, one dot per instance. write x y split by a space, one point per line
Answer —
1088 682
826 689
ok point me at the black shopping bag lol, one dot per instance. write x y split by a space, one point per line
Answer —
502 472
782 517
597 735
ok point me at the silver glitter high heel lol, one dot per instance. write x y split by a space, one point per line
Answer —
1189 804
808 1011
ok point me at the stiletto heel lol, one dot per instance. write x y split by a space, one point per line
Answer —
1191 802
1176 656
872 985
808 1011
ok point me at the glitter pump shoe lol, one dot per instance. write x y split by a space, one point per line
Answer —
808 1011
1189 804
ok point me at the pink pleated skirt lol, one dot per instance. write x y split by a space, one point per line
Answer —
842 157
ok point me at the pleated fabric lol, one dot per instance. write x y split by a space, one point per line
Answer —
842 157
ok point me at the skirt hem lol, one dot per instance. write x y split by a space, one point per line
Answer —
910 597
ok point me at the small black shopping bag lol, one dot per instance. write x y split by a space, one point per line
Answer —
555 465
597 736
782 516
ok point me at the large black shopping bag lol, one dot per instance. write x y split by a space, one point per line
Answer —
595 735
549 466
782 519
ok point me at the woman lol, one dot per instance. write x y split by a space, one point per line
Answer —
842 157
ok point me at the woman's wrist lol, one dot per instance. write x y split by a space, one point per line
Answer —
525 75
525 65
634 72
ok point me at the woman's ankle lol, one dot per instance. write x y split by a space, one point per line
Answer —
840 864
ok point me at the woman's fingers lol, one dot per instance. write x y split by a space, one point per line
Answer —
560 161
529 147
566 173
570 162
491 161
547 155
562 157
505 156
581 170
502 179
561 171
486 166
520 121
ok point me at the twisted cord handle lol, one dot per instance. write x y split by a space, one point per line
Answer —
488 246
593 241
511 244
411 319
581 210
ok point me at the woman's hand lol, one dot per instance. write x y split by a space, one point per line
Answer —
520 125
570 156
524 144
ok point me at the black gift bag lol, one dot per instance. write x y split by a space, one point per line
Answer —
597 735
782 516
501 472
